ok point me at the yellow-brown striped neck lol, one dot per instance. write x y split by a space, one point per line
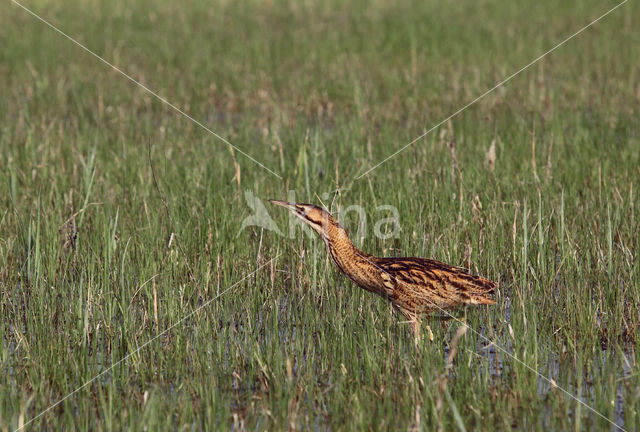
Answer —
357 265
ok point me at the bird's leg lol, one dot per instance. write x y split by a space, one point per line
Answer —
415 321
430 333
415 325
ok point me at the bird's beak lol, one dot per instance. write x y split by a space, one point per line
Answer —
289 206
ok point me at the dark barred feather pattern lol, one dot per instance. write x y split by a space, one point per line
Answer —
423 285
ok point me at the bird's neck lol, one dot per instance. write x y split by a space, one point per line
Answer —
357 265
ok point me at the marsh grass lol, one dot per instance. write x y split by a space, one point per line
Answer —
91 266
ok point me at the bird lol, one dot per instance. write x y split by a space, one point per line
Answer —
415 286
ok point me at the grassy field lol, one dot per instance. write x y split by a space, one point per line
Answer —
535 186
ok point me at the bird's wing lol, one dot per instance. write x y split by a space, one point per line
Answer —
433 275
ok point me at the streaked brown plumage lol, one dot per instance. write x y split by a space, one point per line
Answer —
415 286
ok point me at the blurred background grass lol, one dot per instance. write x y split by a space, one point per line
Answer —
534 186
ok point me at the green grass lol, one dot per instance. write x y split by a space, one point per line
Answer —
318 93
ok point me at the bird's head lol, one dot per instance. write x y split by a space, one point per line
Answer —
318 219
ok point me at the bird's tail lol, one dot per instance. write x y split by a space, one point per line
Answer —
480 290
480 299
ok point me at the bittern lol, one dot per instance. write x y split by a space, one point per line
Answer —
415 286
